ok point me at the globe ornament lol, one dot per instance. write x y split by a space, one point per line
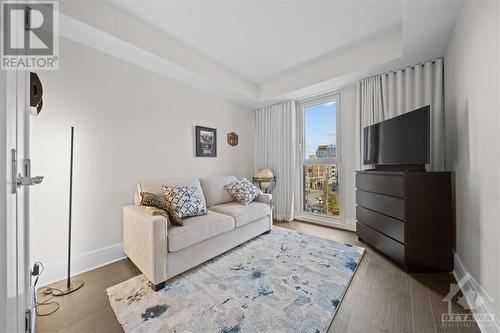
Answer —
265 180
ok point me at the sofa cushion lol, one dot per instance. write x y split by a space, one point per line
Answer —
197 229
155 186
213 188
243 214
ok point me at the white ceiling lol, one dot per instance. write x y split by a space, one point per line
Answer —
257 52
262 40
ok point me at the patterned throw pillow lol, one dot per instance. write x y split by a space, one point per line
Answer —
243 191
154 200
183 201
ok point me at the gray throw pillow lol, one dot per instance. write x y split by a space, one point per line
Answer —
243 191
183 201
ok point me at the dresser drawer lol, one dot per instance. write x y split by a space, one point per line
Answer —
390 206
383 184
388 246
385 224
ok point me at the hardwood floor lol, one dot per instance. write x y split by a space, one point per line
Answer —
88 309
381 297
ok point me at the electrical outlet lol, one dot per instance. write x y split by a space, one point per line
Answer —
36 269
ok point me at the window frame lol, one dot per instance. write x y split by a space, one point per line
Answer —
302 137
303 160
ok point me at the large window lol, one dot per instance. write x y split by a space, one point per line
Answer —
320 152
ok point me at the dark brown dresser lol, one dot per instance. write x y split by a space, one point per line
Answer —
407 216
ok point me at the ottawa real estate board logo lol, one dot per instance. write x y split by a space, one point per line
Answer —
29 35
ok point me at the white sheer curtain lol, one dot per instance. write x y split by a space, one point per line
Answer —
391 94
275 149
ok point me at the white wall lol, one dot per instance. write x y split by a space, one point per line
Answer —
130 124
472 137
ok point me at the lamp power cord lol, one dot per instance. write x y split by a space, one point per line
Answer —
41 306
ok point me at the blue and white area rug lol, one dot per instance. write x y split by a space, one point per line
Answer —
281 282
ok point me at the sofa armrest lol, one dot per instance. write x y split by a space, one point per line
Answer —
145 242
265 198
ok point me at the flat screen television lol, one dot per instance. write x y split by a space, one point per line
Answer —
402 140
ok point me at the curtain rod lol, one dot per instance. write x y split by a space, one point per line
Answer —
402 69
276 103
338 89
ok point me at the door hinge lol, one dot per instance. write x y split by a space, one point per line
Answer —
27 321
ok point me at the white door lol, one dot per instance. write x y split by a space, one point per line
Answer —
15 232
15 283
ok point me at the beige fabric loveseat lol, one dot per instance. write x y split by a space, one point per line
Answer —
161 252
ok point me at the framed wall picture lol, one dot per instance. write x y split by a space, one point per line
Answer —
206 141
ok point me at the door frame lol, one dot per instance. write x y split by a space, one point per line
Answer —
15 273
5 320
15 253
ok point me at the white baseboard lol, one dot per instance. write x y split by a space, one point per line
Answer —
327 222
351 223
57 270
485 308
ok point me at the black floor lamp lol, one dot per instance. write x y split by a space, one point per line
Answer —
71 284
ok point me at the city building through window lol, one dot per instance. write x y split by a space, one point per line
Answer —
320 158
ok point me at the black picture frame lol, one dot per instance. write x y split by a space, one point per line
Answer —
206 141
